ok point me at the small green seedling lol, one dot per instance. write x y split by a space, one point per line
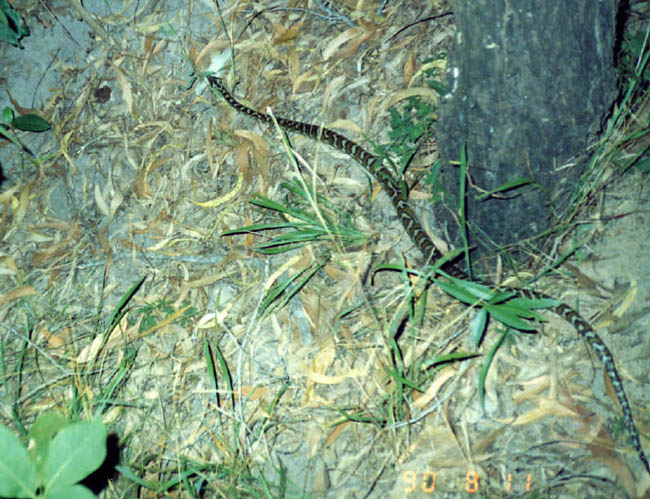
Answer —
25 122
12 26
59 455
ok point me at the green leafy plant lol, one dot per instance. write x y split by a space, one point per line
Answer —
60 455
412 121
310 218
12 26
25 123
159 311
633 47
409 124
103 395
634 82
405 378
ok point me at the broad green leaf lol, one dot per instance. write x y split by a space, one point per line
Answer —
75 452
459 292
516 309
30 123
8 35
510 319
448 257
276 250
535 303
7 115
17 474
486 367
10 13
69 492
478 290
42 433
478 325
438 87
643 165
18 29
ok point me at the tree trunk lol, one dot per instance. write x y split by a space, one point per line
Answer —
530 85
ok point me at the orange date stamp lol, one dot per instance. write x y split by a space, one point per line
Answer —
425 482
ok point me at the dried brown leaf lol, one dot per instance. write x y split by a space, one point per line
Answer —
125 86
282 35
17 293
409 69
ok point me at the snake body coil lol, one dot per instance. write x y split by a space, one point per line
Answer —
407 217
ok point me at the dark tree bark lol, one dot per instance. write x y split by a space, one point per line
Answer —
531 83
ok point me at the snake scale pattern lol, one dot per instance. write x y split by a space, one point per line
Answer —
399 198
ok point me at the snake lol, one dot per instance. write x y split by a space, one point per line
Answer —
398 195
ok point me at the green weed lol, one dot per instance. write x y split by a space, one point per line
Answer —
61 453
25 123
12 26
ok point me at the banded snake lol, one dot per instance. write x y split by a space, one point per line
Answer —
399 198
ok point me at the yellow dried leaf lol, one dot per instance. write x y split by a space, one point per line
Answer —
546 407
127 94
283 35
423 400
293 63
228 196
53 340
333 46
23 204
423 92
335 433
19 292
346 125
323 379
300 79
294 260
90 351
204 281
9 262
101 202
630 297
257 141
243 162
324 359
8 195
254 393
347 43
409 69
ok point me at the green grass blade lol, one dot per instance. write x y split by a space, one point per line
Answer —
119 311
486 367
449 358
17 473
513 184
